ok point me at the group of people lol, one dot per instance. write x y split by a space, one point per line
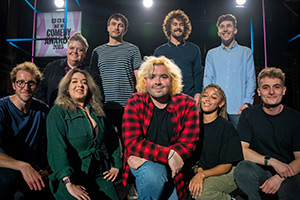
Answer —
74 127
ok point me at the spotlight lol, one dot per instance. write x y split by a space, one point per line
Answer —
59 3
240 3
148 3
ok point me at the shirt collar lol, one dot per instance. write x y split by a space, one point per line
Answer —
170 44
233 46
170 103
67 68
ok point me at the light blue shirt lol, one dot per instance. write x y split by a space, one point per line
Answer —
233 70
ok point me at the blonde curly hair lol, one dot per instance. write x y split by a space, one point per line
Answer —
172 68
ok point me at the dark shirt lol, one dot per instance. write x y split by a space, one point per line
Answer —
220 145
53 73
23 135
274 135
160 130
187 57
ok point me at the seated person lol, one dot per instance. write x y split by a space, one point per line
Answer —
83 148
271 143
23 160
219 149
160 130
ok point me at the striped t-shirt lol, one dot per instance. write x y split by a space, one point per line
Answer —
116 65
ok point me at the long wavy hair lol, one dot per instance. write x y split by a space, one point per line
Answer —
223 110
177 14
93 98
172 68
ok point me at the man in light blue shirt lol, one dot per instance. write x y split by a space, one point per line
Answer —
231 66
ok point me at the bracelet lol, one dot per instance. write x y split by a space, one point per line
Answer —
171 155
67 180
267 158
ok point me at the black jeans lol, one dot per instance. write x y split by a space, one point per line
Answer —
249 177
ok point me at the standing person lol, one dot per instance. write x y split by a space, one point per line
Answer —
271 143
56 70
23 160
187 56
117 62
219 149
83 150
231 67
160 130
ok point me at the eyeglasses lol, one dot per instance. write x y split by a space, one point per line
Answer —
21 84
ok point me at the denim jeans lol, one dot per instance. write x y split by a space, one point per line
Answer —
250 176
234 120
154 182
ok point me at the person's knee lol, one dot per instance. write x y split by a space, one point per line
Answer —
156 176
152 175
244 169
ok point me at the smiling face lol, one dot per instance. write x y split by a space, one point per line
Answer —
271 90
78 88
75 53
177 28
26 92
211 100
158 83
116 28
227 32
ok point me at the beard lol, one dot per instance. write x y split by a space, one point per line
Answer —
178 36
228 42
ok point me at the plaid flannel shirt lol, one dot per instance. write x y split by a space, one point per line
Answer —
136 120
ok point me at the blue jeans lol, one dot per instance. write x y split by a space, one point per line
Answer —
154 182
234 120
249 177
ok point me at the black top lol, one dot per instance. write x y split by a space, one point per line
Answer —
220 144
274 135
160 130
53 73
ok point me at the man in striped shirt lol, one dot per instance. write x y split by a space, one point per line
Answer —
117 62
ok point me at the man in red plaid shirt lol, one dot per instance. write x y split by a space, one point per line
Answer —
160 130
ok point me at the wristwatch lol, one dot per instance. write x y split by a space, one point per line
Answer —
249 104
67 180
267 158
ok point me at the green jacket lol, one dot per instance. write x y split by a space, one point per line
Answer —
72 148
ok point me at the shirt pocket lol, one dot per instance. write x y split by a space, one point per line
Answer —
78 127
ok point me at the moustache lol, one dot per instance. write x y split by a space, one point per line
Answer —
178 30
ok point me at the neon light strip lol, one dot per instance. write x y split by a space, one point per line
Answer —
19 48
264 27
66 18
20 39
33 34
251 30
78 4
32 7
294 38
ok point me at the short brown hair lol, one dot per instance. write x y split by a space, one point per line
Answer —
177 14
227 17
120 16
29 67
271 72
